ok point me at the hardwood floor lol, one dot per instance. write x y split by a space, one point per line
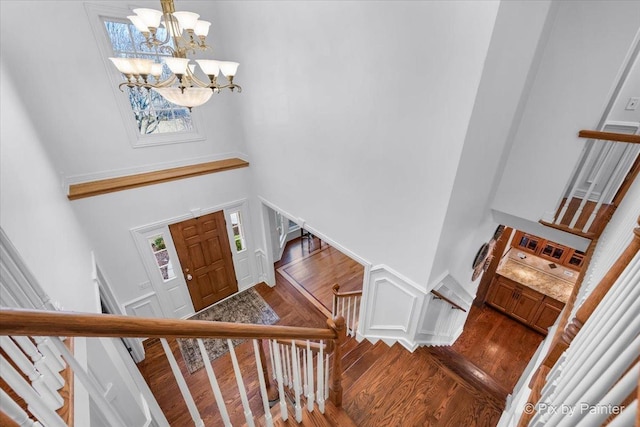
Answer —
415 389
315 273
382 385
497 344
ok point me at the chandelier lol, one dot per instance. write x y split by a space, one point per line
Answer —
184 34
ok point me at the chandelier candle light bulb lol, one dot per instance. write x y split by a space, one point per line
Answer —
182 87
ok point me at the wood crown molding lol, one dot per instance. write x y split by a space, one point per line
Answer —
110 185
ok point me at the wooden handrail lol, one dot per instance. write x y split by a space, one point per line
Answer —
57 323
442 297
609 136
314 346
336 292
593 300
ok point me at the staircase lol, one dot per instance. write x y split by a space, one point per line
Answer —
385 385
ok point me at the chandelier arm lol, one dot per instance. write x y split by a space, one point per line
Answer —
199 82
168 82
231 86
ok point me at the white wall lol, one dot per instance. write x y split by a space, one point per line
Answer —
109 218
355 115
577 73
36 215
517 40
71 94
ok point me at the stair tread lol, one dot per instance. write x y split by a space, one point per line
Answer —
425 392
332 417
366 361
471 373
348 359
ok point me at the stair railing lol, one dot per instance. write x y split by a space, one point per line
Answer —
606 168
347 305
298 356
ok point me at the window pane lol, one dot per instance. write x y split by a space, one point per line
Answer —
238 232
161 254
153 114
119 36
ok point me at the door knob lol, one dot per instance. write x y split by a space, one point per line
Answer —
189 277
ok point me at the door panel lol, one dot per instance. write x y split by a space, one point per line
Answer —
527 304
501 294
205 257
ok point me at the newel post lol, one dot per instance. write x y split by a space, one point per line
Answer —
335 387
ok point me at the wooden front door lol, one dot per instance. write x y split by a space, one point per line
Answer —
205 256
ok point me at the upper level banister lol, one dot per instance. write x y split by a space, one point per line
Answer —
56 323
442 297
336 292
313 346
609 136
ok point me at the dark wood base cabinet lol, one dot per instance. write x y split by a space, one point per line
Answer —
530 307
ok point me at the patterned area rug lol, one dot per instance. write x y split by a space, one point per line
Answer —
245 307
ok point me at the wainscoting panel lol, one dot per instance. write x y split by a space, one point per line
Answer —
261 263
145 306
392 305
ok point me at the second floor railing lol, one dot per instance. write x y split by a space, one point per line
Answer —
305 361
347 305
608 165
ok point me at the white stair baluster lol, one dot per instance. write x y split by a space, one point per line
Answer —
263 386
309 373
626 417
51 377
295 366
348 316
276 355
273 363
305 386
51 354
320 392
222 408
596 181
50 397
289 371
590 153
283 362
34 403
243 392
629 154
182 385
356 315
15 412
326 377
613 398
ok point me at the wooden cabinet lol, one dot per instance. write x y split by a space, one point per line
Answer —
547 314
527 242
559 254
554 252
530 307
575 259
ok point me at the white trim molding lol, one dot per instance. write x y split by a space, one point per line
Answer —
391 304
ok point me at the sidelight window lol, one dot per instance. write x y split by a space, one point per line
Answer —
238 231
163 261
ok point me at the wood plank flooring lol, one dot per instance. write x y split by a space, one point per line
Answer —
497 344
415 389
315 273
383 386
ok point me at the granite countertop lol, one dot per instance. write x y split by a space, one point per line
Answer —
535 279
